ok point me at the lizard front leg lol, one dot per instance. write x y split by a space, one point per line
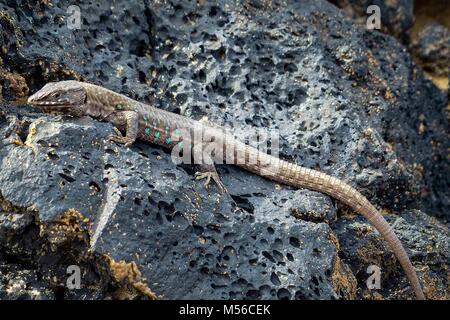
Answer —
129 120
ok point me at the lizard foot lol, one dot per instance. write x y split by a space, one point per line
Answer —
208 176
122 140
119 138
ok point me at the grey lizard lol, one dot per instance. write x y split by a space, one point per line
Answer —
140 121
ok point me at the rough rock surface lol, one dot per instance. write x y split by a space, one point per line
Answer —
397 17
432 48
345 100
425 237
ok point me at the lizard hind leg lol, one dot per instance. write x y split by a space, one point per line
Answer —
208 172
207 168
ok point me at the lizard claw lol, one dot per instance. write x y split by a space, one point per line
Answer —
121 139
204 175
117 131
208 176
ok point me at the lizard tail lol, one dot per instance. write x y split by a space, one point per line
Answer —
377 220
296 176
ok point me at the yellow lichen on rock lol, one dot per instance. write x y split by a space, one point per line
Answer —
342 278
17 85
130 280
68 227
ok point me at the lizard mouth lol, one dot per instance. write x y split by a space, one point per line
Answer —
56 108
48 103
47 106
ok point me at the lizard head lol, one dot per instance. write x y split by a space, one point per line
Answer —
68 97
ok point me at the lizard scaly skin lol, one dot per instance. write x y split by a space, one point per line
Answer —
144 122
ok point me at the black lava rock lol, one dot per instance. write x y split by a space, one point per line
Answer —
345 100
432 48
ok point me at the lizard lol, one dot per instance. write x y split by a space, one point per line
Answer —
134 120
